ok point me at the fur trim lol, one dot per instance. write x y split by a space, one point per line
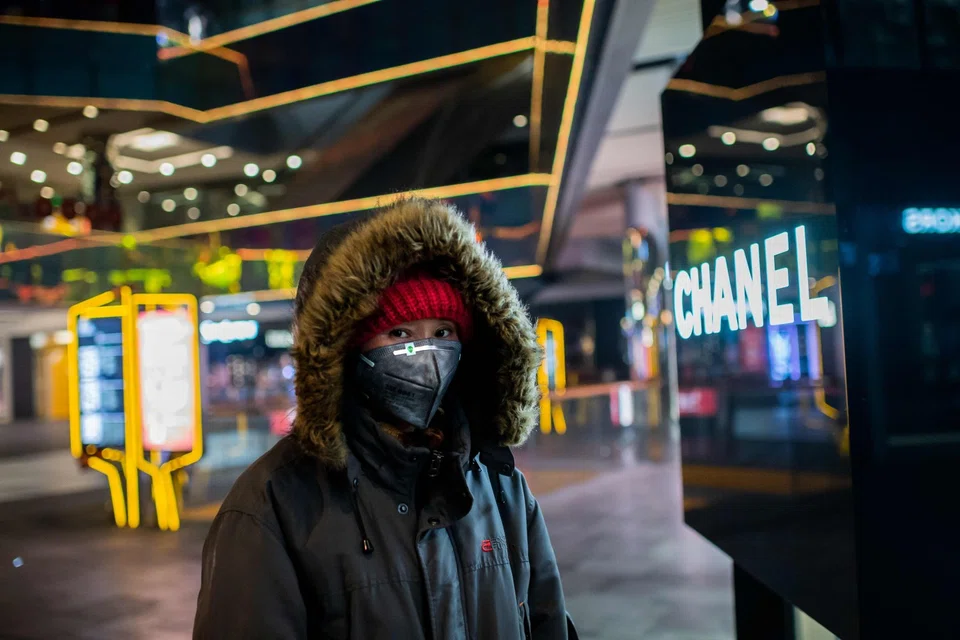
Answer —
499 366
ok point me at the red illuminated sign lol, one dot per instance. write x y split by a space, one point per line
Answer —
697 403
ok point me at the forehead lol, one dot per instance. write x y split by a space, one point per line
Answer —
425 321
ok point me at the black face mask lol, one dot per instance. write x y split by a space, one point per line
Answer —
407 381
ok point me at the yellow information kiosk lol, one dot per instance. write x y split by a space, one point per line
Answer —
134 374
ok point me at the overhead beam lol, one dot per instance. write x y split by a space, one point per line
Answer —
611 64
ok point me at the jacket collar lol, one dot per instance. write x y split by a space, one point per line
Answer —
390 463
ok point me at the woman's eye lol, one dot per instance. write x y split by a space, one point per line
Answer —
444 333
398 333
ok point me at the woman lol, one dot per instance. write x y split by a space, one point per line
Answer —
394 509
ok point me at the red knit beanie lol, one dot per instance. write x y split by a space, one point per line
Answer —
416 296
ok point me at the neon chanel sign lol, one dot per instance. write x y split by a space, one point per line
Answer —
710 292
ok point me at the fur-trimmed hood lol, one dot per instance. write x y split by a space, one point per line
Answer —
340 285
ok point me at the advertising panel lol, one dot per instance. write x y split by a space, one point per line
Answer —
100 367
168 376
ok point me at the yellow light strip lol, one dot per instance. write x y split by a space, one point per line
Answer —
160 494
255 255
288 97
158 236
335 208
551 416
523 271
114 104
131 407
560 46
153 30
98 26
536 97
566 125
749 91
372 77
271 295
116 488
267 26
819 393
823 283
730 202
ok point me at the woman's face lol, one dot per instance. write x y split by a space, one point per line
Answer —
413 331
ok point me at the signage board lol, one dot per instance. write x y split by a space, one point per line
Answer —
227 331
168 378
278 338
937 221
100 376
714 298
697 402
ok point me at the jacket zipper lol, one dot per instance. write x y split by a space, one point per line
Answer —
460 572
436 459
525 622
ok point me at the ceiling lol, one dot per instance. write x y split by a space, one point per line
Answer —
633 145
277 176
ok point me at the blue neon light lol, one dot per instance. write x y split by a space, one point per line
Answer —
937 221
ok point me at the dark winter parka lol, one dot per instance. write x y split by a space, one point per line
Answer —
340 531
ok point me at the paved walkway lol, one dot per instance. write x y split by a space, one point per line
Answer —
630 567
45 474
24 437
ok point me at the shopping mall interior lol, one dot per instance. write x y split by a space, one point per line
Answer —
677 189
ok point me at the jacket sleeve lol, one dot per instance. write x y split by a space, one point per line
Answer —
548 612
249 587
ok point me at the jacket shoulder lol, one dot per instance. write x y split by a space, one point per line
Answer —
283 476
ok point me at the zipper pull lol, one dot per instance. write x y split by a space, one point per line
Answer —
436 459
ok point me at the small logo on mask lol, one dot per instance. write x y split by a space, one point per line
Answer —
399 391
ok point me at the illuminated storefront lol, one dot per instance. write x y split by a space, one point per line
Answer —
246 359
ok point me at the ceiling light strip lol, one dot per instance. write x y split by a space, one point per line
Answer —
343 206
730 202
370 78
123 28
749 91
114 104
39 251
281 99
536 96
267 26
563 47
159 236
566 125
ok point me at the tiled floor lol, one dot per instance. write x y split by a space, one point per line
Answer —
630 567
